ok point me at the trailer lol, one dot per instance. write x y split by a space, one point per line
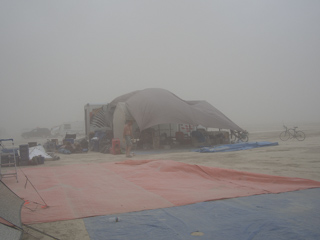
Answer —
61 130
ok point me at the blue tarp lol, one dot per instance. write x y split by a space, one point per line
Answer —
236 147
291 215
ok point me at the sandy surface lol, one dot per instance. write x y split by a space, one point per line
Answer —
291 158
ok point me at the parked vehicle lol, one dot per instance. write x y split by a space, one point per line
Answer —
37 132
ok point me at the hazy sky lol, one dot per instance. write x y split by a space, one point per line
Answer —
256 61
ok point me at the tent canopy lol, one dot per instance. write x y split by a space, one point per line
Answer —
10 214
153 106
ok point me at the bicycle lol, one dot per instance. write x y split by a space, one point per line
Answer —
292 133
238 136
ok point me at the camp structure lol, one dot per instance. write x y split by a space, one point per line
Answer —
154 106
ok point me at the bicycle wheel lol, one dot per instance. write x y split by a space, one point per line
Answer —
300 136
284 136
245 138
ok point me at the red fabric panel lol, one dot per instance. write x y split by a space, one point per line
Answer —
78 191
182 183
83 190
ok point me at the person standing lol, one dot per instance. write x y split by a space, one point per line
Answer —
127 135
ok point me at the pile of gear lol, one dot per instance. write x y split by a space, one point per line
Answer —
69 145
100 141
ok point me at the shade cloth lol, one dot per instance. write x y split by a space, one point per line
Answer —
153 106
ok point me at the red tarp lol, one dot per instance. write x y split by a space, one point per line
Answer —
83 190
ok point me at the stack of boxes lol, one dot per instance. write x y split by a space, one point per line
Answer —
24 154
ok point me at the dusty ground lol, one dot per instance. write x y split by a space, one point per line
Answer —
291 158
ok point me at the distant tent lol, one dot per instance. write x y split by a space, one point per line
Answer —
10 214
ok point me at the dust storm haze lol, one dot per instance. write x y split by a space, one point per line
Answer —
256 61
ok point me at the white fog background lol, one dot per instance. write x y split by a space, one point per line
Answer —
256 61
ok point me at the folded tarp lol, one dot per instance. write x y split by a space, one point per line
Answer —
236 147
293 215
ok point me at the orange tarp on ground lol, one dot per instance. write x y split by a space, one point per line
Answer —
83 190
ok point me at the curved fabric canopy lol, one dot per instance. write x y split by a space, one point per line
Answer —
153 106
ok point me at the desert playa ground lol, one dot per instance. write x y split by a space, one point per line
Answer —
290 158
